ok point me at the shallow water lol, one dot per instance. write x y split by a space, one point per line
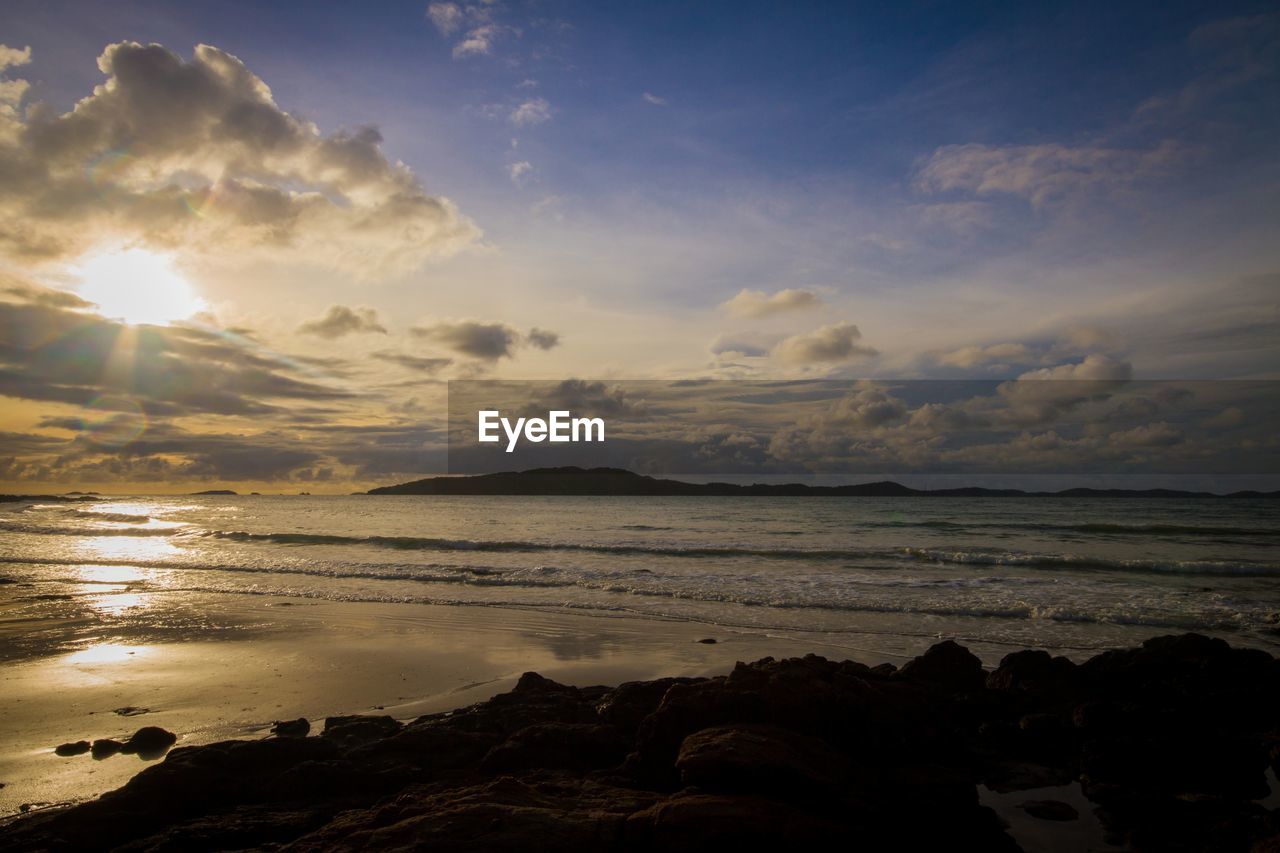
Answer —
1069 574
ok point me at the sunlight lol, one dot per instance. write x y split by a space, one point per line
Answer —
105 653
137 286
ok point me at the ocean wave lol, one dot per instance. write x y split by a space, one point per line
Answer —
1231 622
45 530
1031 560
1098 527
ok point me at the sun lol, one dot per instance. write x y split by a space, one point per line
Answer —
137 286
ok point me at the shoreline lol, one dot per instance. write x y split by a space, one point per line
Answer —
400 659
1039 753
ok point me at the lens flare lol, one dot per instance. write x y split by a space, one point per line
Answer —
112 421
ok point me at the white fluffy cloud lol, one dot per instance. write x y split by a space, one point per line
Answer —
196 154
530 112
834 343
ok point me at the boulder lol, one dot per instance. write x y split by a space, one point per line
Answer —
300 727
948 666
758 758
353 730
149 741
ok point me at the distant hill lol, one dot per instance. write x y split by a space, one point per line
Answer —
620 482
68 497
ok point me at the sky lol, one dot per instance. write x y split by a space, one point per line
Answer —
246 245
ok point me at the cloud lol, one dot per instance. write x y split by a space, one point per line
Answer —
447 17
479 40
50 297
474 20
1094 367
52 354
1000 354
414 362
531 112
728 346
1043 174
542 339
520 171
757 303
197 154
485 341
654 99
837 342
340 320
11 56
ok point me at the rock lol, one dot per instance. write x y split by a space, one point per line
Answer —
149 741
1032 670
131 711
79 747
354 730
757 758
1049 810
558 746
632 701
106 747
291 728
696 821
947 665
1098 719
710 641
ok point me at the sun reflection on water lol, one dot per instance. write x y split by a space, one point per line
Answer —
107 653
110 574
129 548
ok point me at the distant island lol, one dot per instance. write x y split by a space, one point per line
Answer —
216 492
620 482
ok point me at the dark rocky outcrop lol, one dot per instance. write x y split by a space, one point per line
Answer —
1170 742
75 747
300 727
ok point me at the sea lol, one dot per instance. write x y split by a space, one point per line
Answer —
1068 574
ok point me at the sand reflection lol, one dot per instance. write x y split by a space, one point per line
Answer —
107 653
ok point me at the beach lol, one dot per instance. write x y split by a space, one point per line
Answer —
280 659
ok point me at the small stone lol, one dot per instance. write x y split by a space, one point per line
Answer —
106 747
79 747
709 641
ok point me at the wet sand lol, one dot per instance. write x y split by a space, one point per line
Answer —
293 658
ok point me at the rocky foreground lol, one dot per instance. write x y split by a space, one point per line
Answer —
1170 741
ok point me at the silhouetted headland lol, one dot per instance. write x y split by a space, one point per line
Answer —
620 482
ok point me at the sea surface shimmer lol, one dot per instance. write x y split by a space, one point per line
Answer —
1073 575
